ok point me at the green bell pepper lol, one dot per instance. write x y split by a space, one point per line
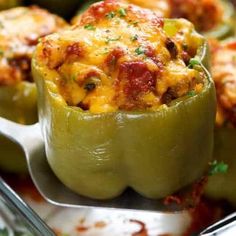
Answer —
17 103
100 155
222 186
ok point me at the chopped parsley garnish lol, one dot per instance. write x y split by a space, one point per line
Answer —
193 62
89 27
108 40
134 38
217 167
191 93
140 50
105 51
122 12
110 15
134 23
74 78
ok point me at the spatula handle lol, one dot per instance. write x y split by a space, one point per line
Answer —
27 136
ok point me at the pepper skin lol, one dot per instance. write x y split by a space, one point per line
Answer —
18 95
154 152
100 155
23 109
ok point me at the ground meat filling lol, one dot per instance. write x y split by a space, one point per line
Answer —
119 57
20 30
224 75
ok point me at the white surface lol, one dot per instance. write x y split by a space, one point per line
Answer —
117 223
111 222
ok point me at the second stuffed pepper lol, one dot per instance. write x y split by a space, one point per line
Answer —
222 186
124 101
20 30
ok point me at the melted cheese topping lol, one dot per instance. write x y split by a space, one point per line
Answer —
119 57
204 14
161 7
20 29
224 75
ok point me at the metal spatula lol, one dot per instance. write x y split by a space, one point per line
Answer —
30 140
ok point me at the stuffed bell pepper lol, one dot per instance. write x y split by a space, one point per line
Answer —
20 29
124 101
222 186
213 18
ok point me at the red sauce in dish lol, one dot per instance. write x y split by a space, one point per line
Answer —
143 230
23 185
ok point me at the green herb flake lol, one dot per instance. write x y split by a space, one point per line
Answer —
193 62
134 38
105 51
89 27
122 12
4 232
117 22
74 78
110 15
191 93
218 167
108 40
1 52
139 50
135 23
